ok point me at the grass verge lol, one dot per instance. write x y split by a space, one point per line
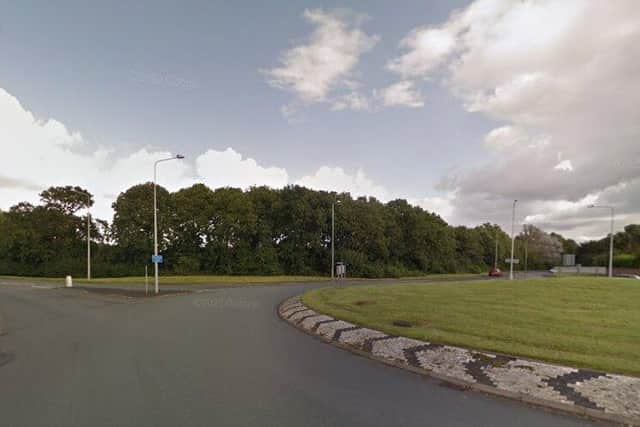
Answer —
582 322
176 280
441 276
212 280
218 280
59 280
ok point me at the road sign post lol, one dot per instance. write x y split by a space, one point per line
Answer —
341 270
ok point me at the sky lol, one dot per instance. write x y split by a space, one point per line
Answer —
458 106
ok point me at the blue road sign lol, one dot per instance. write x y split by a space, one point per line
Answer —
156 259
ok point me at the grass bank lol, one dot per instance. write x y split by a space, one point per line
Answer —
583 322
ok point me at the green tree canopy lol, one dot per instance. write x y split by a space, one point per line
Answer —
269 231
67 199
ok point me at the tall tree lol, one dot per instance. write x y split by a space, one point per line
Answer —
488 235
192 227
132 228
41 240
544 250
68 199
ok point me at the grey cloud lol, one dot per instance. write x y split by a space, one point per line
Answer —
12 183
576 83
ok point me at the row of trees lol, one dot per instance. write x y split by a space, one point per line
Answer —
626 249
258 231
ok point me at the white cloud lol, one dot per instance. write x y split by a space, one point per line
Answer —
571 88
336 179
359 184
42 153
575 219
564 165
442 205
505 137
400 94
326 61
426 49
228 169
353 101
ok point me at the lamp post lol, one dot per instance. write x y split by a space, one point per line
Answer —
610 236
155 214
513 238
495 259
526 249
88 196
333 237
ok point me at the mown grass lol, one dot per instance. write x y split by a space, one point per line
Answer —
583 322
176 280
33 279
211 280
443 276
216 280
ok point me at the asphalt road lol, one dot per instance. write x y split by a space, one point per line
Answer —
218 357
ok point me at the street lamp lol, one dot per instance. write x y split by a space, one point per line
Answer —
155 214
88 230
495 259
611 235
527 236
333 236
513 238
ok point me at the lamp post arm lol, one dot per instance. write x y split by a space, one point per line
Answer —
155 214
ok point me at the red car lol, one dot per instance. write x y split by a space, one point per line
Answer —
495 272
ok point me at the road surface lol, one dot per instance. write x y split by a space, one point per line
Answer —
216 357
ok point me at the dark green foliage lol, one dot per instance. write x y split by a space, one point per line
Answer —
626 246
260 231
132 227
66 199
626 261
46 239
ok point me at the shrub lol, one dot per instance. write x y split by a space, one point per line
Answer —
626 261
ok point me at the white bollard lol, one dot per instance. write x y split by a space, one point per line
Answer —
69 282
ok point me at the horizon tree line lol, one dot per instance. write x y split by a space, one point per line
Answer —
267 231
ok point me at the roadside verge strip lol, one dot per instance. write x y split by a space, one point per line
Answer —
594 394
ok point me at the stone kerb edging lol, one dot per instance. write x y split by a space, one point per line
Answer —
595 394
